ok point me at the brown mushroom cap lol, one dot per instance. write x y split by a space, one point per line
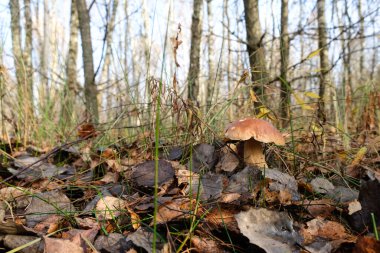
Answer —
258 129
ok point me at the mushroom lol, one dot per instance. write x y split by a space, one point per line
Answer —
254 132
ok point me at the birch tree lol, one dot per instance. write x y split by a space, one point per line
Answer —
196 36
105 74
90 90
71 88
324 78
28 59
284 49
209 91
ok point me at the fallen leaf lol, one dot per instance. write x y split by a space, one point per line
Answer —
54 245
46 204
270 230
366 244
327 230
359 156
206 245
354 206
109 207
174 210
320 207
143 174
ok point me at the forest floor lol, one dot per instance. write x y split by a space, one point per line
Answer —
315 196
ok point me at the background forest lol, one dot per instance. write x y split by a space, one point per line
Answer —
308 62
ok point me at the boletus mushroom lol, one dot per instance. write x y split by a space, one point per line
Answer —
254 132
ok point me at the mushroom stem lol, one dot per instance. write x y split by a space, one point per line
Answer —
253 153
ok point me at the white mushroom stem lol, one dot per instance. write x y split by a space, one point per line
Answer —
253 153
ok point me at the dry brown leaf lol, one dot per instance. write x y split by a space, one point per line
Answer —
354 206
329 230
366 244
108 153
285 197
135 219
110 177
223 217
229 197
205 245
320 207
115 165
49 225
87 223
109 207
54 245
172 210
87 130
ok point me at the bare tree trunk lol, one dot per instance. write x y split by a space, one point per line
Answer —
90 90
45 56
209 92
19 63
254 45
284 49
361 34
146 51
71 88
324 78
16 40
229 85
28 60
105 74
196 36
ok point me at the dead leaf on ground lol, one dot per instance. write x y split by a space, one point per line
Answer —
228 161
270 230
174 210
143 174
144 239
354 206
54 245
204 158
282 182
322 185
109 207
206 245
46 204
229 197
111 243
220 217
330 231
244 181
87 130
14 241
320 207
366 244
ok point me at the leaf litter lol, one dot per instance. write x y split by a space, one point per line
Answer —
79 198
